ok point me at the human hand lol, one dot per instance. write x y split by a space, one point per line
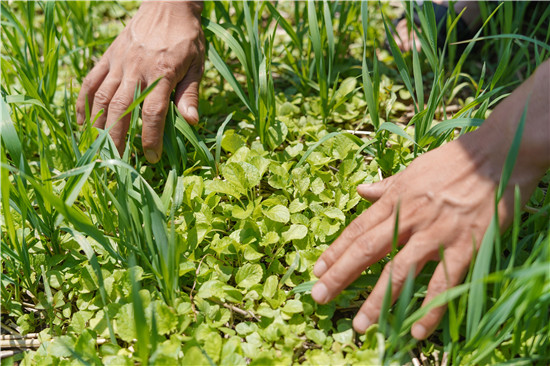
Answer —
163 39
446 202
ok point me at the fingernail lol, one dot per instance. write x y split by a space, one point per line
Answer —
418 331
79 118
151 156
320 293
320 268
361 322
193 113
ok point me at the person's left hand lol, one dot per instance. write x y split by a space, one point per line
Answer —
445 200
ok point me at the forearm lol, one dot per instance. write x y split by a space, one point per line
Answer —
490 144
504 121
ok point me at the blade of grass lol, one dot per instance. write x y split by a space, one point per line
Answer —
87 248
483 260
400 62
74 215
142 331
330 39
313 147
219 136
315 39
198 143
393 128
226 73
369 89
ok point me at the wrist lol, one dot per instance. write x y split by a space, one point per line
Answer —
184 7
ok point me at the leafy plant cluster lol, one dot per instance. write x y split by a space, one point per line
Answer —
206 257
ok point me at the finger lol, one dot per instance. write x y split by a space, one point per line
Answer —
187 93
411 259
89 87
373 192
448 273
153 114
117 107
102 98
376 214
365 250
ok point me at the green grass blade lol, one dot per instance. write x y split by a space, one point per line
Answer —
315 38
369 88
10 138
330 39
476 301
74 215
417 73
449 125
315 146
87 248
200 147
141 98
400 62
509 36
393 128
233 44
289 29
291 269
219 136
224 70
142 330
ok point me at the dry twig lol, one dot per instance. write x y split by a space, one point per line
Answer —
244 313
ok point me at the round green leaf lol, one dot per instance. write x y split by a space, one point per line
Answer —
249 275
278 213
293 307
295 232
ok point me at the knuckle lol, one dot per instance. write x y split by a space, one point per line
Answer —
438 285
150 141
86 83
102 98
354 229
166 67
397 272
118 135
120 103
433 317
366 248
329 256
335 280
80 104
372 307
190 93
153 111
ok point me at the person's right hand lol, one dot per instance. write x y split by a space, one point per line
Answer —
163 39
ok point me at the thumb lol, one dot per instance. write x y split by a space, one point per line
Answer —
187 94
372 192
